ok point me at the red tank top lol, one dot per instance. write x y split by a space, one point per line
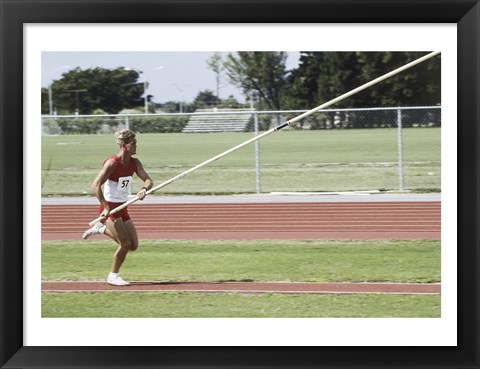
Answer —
120 170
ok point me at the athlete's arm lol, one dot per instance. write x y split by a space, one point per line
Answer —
147 181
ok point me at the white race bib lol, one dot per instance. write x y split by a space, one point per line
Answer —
124 184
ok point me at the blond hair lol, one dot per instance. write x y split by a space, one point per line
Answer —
124 136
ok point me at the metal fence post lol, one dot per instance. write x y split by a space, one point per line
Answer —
400 150
257 154
127 122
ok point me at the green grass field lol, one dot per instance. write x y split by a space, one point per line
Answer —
235 305
291 160
206 261
259 260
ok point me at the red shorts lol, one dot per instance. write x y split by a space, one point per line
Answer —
119 214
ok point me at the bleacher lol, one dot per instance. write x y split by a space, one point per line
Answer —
218 122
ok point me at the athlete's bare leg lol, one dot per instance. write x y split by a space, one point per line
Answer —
125 235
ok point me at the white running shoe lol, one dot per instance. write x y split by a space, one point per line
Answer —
98 228
115 280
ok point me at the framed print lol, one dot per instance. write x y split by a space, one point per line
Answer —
180 352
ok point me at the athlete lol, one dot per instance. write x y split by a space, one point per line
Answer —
116 178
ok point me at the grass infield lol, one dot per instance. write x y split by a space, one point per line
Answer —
236 305
336 160
210 261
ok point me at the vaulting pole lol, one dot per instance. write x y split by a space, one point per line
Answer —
277 128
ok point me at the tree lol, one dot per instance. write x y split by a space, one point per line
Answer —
322 76
230 103
261 72
419 85
176 107
96 88
215 64
303 82
205 99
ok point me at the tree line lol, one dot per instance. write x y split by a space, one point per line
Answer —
265 81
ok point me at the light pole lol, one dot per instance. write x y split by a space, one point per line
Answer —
50 94
181 93
145 84
77 100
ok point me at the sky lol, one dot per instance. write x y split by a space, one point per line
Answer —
171 76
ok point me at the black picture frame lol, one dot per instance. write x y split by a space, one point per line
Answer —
15 13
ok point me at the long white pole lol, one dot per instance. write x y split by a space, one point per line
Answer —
400 149
145 97
277 128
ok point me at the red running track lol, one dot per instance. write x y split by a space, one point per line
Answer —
250 287
345 220
312 220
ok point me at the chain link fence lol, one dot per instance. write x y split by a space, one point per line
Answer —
380 149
